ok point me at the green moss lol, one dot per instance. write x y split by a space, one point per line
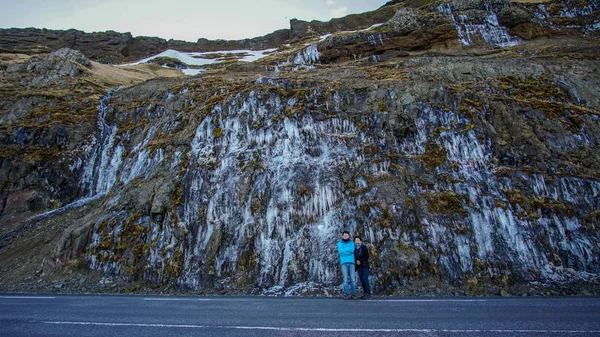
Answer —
446 202
593 216
257 125
500 203
247 259
178 193
463 230
217 133
433 157
395 72
256 204
30 153
555 206
305 190
386 219
469 127
174 265
371 149
408 201
53 94
105 244
532 205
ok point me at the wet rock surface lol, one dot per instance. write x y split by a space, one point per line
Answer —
464 155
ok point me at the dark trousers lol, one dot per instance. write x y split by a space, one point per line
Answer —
363 276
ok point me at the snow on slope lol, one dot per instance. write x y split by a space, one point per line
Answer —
323 37
196 59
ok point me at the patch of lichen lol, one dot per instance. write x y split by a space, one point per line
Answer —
256 204
582 161
129 125
350 185
301 92
531 205
541 93
131 246
215 90
179 189
448 179
69 112
554 206
217 133
433 157
470 109
178 195
593 216
104 246
30 153
46 93
385 220
127 248
173 265
387 72
265 91
534 92
371 149
247 260
446 202
305 190
374 179
161 140
484 274
516 197
253 164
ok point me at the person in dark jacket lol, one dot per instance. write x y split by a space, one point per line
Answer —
361 256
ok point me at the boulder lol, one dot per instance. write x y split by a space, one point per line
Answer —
71 55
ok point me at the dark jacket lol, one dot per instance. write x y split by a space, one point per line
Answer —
362 255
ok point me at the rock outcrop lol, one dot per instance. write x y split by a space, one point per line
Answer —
459 139
112 47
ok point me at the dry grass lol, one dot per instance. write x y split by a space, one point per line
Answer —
107 76
7 59
386 71
530 2
110 76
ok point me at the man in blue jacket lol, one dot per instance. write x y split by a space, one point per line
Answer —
346 250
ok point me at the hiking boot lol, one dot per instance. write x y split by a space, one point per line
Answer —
346 297
366 297
353 297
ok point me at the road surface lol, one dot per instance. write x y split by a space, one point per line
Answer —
101 315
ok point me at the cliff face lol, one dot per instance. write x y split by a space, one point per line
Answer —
112 47
107 47
460 140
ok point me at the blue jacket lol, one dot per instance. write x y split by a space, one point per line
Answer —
346 250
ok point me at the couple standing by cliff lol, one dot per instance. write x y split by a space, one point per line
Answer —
354 259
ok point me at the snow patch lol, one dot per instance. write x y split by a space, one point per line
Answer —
201 59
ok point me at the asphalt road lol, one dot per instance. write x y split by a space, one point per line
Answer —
259 316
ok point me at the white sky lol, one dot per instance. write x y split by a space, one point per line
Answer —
178 19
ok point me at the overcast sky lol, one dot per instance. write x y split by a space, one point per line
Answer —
178 19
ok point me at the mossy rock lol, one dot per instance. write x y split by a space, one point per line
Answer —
446 202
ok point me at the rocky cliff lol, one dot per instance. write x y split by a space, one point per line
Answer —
113 47
460 139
